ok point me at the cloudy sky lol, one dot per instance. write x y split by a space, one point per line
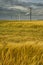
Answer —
12 2
3 2
21 5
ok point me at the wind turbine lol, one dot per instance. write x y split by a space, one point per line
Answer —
19 16
30 13
27 14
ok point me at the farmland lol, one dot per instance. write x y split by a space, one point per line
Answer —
21 42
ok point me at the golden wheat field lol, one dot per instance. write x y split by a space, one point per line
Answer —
21 42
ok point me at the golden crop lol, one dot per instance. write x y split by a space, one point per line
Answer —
21 42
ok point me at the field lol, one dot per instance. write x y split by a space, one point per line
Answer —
21 42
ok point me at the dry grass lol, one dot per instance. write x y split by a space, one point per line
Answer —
22 54
21 43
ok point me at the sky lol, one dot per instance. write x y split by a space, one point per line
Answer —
37 1
8 6
10 2
20 4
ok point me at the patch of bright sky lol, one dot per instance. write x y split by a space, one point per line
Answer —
25 0
35 1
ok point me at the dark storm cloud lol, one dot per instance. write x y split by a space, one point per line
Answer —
20 5
21 2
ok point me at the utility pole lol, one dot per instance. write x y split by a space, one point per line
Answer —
30 13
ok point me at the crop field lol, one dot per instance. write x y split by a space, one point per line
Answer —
21 42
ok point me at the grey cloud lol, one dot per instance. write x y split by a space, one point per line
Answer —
7 4
21 2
